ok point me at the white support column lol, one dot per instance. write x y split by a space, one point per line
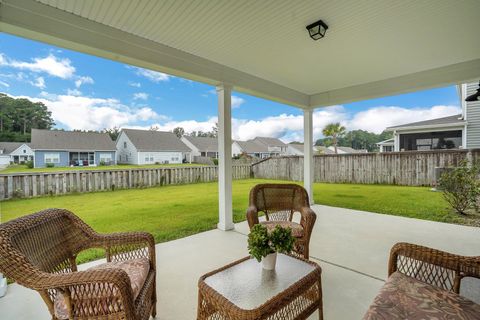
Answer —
225 213
308 152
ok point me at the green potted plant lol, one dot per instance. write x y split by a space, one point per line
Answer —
264 245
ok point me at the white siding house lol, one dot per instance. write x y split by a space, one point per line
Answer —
15 152
142 147
471 111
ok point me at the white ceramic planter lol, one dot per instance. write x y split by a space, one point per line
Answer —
268 262
3 285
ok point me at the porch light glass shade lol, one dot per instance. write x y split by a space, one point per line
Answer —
475 96
317 30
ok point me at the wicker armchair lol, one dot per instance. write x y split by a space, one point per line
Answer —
279 202
425 282
39 251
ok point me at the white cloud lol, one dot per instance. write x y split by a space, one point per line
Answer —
3 83
237 102
74 92
51 65
378 118
134 84
83 80
140 96
77 112
151 75
39 83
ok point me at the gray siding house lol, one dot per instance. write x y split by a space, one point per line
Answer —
72 148
260 147
202 146
150 147
452 132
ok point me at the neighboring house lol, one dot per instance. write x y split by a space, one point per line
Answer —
260 147
296 149
452 132
15 152
71 148
386 145
202 146
150 147
343 150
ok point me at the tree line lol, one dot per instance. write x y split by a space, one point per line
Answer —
337 135
19 115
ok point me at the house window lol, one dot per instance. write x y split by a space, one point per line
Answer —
52 158
105 157
431 140
125 144
149 158
24 151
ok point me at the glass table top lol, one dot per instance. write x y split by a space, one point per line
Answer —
248 285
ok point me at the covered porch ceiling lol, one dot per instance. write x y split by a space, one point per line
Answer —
372 48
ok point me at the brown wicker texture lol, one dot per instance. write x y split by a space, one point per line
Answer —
39 251
297 302
435 267
279 202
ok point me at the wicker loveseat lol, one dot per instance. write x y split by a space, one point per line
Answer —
279 202
424 283
39 251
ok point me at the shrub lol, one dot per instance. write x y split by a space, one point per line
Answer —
103 163
29 164
215 162
261 243
461 186
50 165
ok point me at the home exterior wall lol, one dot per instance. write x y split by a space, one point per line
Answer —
23 150
39 158
126 155
291 151
472 113
195 151
236 150
160 157
112 154
4 160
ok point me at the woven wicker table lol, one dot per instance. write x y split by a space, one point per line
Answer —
243 290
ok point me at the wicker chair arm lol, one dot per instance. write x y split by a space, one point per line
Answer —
307 220
252 216
410 258
127 245
91 283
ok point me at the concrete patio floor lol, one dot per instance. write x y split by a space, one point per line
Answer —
352 247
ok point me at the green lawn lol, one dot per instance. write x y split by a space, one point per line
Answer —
20 168
172 212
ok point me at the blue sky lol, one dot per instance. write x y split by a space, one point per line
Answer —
87 92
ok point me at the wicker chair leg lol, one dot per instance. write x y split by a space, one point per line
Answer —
154 301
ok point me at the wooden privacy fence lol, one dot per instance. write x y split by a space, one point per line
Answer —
26 185
410 168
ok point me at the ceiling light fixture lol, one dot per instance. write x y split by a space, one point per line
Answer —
317 30
475 96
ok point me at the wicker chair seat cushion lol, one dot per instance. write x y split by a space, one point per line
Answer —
297 230
403 297
136 269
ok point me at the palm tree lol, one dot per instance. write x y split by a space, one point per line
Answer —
334 130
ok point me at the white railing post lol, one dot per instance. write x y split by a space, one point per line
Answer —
225 213
308 153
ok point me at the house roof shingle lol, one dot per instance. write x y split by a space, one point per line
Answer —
71 140
150 140
9 147
204 143
438 121
272 142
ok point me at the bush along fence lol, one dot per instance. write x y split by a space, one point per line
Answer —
411 168
25 185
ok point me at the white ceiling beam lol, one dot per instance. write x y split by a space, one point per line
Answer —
444 76
30 19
